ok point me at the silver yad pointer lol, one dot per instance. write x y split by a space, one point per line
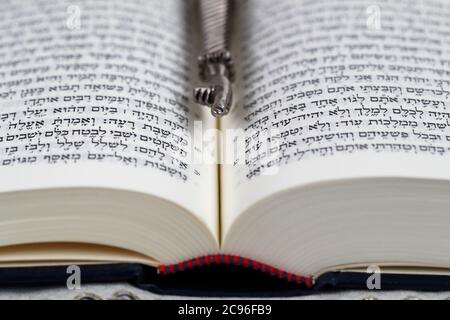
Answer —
215 64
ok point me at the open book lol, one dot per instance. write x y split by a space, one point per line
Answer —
336 154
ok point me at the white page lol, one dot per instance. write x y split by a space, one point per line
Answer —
350 89
97 94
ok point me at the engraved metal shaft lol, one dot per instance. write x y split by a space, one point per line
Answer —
215 64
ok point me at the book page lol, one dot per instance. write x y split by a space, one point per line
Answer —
97 94
335 89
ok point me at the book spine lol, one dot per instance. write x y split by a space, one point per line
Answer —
224 259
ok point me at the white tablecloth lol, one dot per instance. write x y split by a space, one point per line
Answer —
124 290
